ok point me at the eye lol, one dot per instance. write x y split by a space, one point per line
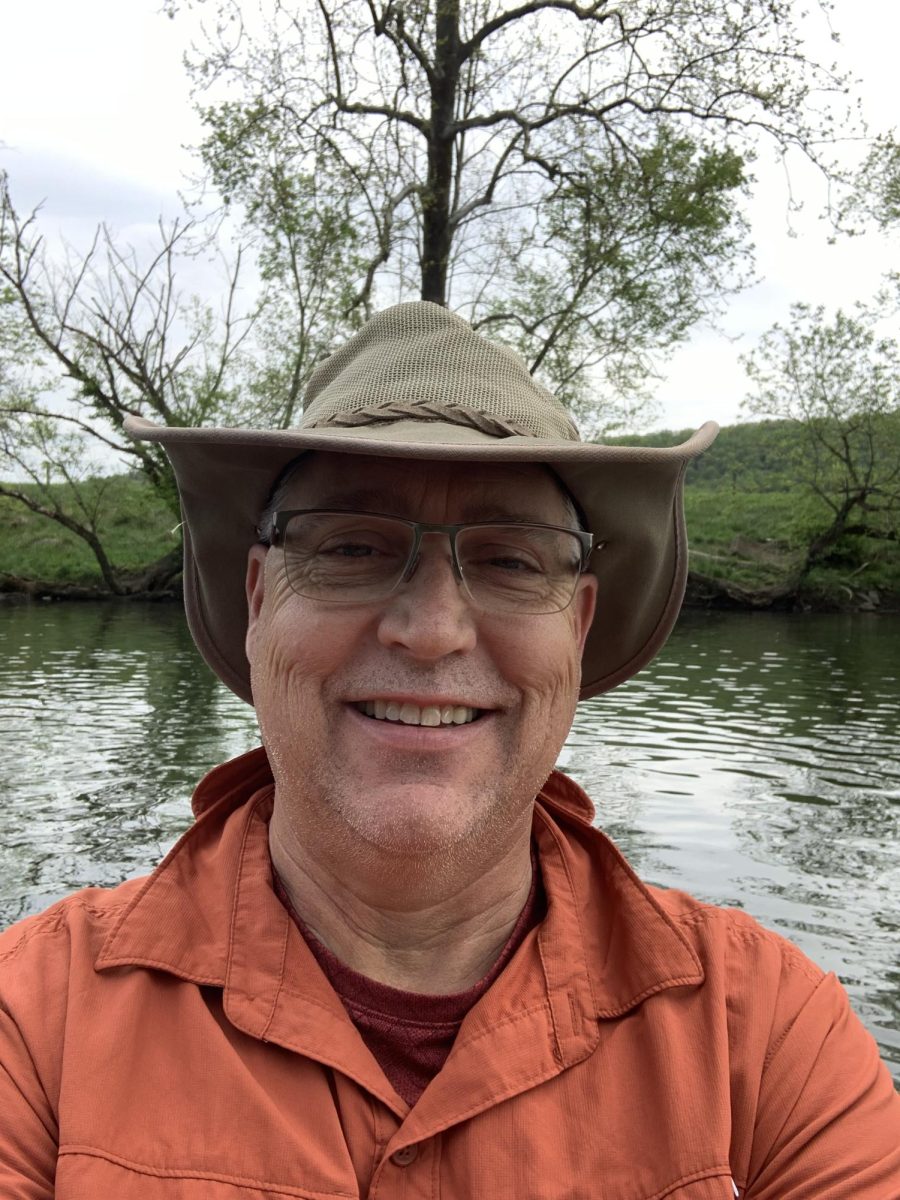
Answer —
501 556
355 547
517 562
335 538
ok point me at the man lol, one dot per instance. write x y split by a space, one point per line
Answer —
393 957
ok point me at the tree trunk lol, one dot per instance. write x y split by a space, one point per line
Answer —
836 530
159 576
437 236
107 570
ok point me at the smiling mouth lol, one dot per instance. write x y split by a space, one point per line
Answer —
430 715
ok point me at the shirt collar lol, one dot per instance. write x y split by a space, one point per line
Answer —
631 945
180 919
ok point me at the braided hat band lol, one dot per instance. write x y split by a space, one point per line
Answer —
447 414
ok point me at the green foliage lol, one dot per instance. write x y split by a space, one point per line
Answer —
752 518
818 372
810 501
716 516
876 195
628 253
753 457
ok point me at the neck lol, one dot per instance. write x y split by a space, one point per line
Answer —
435 927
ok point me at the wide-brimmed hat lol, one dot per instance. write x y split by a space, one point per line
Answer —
417 382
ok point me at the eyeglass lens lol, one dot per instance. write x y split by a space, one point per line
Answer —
357 558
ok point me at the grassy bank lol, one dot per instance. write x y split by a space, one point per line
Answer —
749 522
758 541
134 528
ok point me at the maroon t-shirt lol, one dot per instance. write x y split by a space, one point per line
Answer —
410 1034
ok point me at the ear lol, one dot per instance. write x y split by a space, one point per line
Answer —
255 587
584 605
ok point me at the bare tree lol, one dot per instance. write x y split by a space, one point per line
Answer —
567 174
88 340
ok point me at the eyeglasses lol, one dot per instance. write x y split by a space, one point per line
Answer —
361 557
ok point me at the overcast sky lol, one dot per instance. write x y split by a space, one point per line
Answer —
95 117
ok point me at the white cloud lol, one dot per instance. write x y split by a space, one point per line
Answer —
98 82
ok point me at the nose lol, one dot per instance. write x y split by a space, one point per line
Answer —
429 615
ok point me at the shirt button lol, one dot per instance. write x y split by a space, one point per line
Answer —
402 1158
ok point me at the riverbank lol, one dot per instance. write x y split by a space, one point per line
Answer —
703 592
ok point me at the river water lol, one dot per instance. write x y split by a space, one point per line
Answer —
755 763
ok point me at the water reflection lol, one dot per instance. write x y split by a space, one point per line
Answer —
756 763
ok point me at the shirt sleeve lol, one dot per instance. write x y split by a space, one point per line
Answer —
828 1118
28 1131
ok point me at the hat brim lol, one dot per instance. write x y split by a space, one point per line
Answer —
632 497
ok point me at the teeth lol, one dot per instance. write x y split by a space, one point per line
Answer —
411 714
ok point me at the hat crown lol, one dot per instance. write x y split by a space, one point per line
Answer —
419 361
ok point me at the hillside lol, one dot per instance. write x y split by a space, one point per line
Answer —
751 519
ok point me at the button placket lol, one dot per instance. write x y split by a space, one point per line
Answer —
405 1155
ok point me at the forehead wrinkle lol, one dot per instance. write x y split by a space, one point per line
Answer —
394 506
371 499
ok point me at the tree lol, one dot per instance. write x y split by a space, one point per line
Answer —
876 193
86 342
839 380
568 175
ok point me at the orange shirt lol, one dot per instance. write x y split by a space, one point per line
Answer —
175 1039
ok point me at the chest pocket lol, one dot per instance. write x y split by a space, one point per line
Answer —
714 1186
85 1174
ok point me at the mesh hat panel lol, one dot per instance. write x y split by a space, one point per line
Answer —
418 357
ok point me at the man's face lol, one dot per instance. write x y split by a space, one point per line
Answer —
406 788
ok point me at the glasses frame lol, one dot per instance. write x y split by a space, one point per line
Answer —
585 539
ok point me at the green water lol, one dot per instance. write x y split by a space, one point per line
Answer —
756 763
